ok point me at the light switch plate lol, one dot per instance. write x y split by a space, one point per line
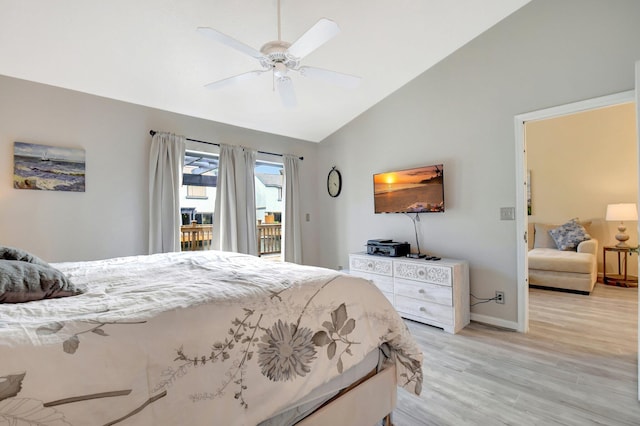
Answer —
507 213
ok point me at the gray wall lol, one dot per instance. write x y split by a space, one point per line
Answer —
111 218
461 113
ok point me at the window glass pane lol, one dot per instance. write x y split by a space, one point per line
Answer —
269 206
200 169
198 190
269 179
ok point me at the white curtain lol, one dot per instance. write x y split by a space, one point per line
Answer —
166 160
234 218
292 227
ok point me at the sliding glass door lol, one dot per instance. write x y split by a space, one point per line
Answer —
269 208
198 196
197 200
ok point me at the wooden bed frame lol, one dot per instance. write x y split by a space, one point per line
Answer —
367 403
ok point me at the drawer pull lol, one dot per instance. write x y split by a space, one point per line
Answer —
421 291
423 309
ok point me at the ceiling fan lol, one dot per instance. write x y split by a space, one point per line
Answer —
282 57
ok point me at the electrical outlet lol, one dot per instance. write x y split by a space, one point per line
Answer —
500 297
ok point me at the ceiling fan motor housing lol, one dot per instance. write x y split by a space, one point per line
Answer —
275 53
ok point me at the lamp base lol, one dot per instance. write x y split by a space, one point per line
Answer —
622 237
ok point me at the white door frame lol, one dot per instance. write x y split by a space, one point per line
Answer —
637 99
521 186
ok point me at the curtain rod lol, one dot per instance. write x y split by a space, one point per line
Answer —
153 132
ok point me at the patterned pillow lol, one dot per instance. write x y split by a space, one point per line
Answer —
569 235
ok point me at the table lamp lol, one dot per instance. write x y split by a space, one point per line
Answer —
620 213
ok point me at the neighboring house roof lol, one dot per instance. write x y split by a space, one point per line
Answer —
270 180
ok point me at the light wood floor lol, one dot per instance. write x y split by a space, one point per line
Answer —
577 366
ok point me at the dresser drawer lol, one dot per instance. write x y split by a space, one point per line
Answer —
384 283
374 265
423 272
429 292
425 310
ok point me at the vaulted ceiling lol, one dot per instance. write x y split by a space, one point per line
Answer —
148 52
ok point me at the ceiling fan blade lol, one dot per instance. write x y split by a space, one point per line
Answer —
287 94
235 79
339 79
229 41
323 31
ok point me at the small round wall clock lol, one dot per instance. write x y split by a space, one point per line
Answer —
334 182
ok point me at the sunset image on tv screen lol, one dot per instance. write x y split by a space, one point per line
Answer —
418 190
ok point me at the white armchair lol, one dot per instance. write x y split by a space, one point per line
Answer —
589 246
573 270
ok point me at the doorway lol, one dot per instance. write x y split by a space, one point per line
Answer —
522 176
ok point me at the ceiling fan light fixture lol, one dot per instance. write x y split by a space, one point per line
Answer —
280 70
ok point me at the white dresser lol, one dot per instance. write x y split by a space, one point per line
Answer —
431 292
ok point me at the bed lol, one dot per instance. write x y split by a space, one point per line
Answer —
202 338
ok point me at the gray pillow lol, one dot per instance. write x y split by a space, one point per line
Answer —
569 235
24 277
12 253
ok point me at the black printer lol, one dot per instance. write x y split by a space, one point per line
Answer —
388 248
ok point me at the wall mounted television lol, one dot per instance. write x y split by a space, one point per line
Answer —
417 190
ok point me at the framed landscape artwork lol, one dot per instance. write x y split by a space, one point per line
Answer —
49 168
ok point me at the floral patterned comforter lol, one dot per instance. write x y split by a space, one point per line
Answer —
194 338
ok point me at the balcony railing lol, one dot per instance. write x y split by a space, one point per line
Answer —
269 238
198 237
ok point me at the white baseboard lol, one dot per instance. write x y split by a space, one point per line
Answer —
497 322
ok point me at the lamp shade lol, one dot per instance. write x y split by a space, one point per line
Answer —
622 212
